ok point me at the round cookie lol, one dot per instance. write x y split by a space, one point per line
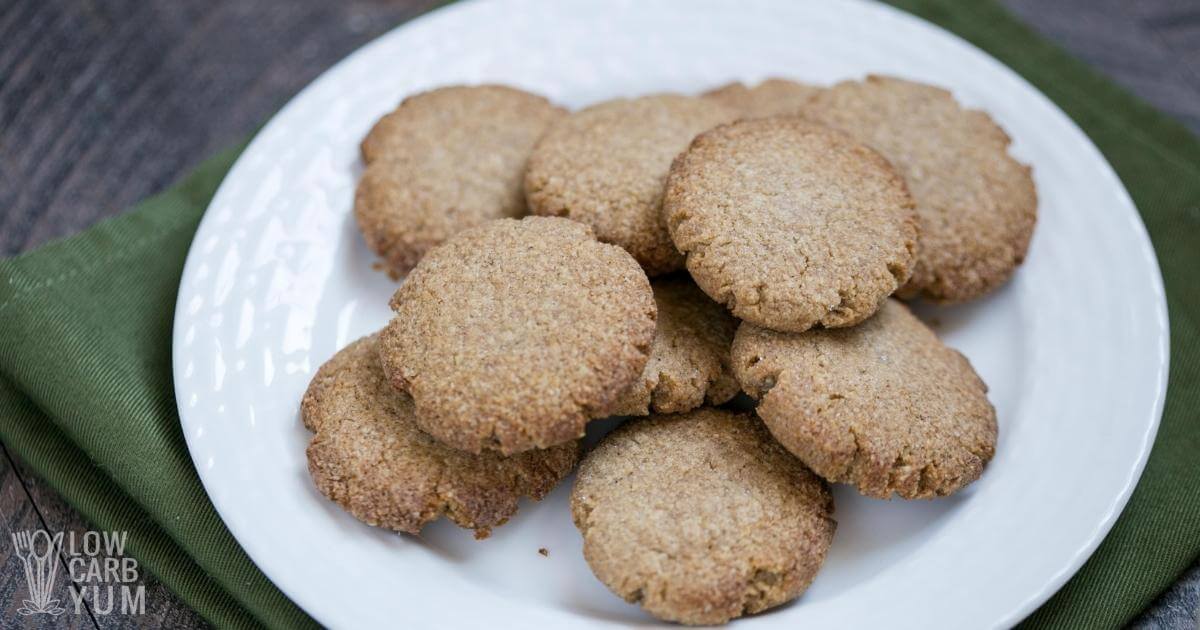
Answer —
605 166
884 405
790 224
977 205
513 334
773 97
689 360
369 456
443 161
701 517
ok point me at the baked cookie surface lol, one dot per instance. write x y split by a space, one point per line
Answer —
513 334
443 161
605 165
689 360
789 224
976 204
368 455
701 517
772 97
884 405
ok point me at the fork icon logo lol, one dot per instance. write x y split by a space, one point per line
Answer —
38 552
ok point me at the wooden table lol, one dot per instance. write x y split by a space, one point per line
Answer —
103 102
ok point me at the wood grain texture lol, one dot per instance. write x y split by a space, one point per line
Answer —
1151 47
104 102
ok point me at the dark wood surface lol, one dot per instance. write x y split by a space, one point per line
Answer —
103 102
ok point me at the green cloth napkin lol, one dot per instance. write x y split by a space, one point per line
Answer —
86 396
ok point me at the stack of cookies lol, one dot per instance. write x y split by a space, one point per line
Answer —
652 258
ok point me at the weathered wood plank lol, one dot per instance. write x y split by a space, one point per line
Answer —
1151 47
103 103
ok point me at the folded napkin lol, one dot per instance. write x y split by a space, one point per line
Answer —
86 396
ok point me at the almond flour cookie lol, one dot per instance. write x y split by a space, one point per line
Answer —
773 97
605 166
977 205
884 405
443 161
790 224
689 361
513 334
369 456
701 517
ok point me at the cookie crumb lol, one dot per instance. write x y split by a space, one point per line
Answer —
391 273
544 551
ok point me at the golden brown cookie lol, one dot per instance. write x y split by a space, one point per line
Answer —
701 517
513 334
977 205
884 405
605 166
773 97
790 224
369 456
689 361
443 161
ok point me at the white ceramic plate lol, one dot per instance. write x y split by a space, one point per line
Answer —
278 279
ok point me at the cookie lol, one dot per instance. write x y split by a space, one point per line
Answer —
369 456
605 166
443 161
884 405
701 517
976 204
790 224
513 334
773 97
689 360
